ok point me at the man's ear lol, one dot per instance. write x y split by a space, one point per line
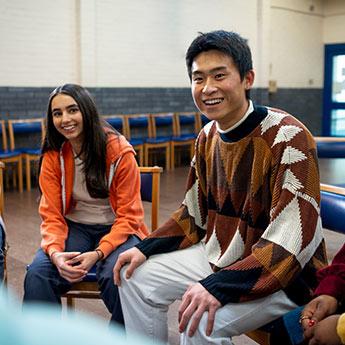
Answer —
249 79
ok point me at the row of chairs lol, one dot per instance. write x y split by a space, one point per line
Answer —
149 134
162 132
13 156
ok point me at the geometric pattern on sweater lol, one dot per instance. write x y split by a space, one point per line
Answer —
255 203
286 133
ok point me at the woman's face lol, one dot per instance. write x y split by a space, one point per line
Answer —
68 119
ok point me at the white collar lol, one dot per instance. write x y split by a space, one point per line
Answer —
248 112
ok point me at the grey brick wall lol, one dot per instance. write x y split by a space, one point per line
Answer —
23 102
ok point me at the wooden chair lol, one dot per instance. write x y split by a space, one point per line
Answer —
160 134
33 152
11 157
186 129
137 128
150 186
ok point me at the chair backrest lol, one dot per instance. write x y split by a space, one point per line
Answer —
137 126
150 189
333 207
25 126
185 123
117 122
161 124
3 135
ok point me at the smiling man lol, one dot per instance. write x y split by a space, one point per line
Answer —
243 247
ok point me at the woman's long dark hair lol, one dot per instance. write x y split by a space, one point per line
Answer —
93 149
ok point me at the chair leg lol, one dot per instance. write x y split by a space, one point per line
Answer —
141 156
28 173
167 160
20 175
146 156
70 303
172 155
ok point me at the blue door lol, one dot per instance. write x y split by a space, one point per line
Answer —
334 91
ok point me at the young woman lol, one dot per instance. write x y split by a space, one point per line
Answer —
90 204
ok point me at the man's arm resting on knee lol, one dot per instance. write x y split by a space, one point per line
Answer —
133 257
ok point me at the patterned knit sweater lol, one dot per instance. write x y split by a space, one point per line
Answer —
253 197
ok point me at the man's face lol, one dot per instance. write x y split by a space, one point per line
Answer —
217 89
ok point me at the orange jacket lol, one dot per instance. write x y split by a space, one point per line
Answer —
56 183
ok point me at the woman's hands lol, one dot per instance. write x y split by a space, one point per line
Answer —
319 327
73 266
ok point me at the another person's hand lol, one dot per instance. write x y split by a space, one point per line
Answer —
133 257
195 301
325 332
70 273
316 310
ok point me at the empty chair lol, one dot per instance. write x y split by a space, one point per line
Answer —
186 129
30 153
137 132
160 134
10 158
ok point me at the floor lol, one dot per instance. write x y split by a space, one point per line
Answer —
22 222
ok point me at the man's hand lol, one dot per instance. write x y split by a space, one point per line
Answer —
134 257
71 273
325 332
195 301
316 310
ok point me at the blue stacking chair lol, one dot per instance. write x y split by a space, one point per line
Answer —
160 133
186 130
330 147
11 157
137 132
116 121
30 153
149 190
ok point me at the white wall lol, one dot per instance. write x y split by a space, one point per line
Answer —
115 43
142 43
37 42
334 22
297 43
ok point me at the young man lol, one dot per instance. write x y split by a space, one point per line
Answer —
244 246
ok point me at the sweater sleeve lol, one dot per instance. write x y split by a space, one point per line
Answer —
54 229
126 202
185 227
332 277
293 234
